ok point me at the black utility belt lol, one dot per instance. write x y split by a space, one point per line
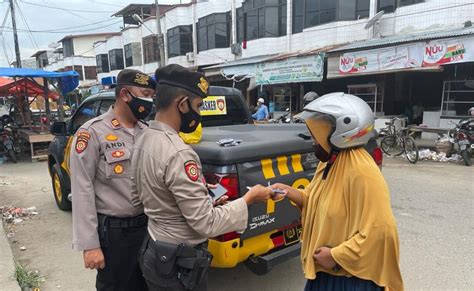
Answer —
123 222
191 264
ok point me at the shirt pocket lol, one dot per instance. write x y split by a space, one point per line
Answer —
117 163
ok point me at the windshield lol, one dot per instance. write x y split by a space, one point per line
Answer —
217 112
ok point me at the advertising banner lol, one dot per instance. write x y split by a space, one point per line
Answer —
292 70
385 59
450 51
214 105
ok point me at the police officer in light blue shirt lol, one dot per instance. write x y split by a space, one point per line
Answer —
262 111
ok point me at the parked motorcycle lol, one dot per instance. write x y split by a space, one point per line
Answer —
285 118
7 136
463 137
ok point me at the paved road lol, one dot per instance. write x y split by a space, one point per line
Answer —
433 204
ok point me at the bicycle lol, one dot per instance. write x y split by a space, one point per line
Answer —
398 141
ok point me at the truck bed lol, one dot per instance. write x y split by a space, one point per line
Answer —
258 142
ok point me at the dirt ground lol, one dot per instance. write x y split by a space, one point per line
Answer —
433 204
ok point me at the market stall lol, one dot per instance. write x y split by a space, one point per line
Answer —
42 89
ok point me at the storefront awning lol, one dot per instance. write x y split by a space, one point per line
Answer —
420 52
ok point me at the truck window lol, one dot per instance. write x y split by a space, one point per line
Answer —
86 112
236 113
105 105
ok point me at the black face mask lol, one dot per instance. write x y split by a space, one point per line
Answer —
321 153
189 120
140 108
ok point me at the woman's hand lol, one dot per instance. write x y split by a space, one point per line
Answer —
290 192
323 257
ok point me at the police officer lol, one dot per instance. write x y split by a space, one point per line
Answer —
106 226
169 183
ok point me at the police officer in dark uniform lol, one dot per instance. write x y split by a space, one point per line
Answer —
106 226
168 181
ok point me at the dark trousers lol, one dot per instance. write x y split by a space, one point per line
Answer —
121 247
328 282
149 264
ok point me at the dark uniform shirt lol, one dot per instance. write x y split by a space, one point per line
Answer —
100 176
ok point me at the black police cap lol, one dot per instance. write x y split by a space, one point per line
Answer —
129 77
178 76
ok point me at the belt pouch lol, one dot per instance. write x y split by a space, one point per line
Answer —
165 258
192 270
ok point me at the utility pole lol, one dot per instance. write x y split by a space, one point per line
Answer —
161 46
15 34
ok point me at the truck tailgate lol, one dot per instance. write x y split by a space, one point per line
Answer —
296 169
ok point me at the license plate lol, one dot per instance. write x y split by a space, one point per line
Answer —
292 235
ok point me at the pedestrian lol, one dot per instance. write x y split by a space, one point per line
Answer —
169 183
418 110
106 226
350 238
262 111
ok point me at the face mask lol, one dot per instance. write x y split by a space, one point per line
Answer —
189 120
321 153
140 107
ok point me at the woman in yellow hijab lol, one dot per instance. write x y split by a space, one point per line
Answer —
350 238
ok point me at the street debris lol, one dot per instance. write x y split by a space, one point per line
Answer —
3 183
22 248
426 154
16 215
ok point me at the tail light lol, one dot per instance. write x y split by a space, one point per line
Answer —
231 183
378 156
461 136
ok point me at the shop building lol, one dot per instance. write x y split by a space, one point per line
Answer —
281 49
77 54
426 77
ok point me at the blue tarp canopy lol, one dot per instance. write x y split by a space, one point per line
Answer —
68 81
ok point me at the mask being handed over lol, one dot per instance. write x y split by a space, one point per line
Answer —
140 106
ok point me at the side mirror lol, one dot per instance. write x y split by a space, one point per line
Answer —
58 128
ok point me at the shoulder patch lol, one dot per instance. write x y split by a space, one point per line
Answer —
191 169
82 141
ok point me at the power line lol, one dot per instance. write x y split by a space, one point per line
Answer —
69 31
30 35
66 9
78 26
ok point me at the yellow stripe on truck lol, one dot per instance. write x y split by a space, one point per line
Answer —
296 163
283 166
267 168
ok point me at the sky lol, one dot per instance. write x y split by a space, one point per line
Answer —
59 18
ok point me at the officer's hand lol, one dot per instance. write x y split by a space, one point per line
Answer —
221 201
258 193
94 259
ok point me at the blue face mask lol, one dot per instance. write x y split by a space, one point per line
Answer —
140 106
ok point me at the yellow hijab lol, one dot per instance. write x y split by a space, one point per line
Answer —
350 212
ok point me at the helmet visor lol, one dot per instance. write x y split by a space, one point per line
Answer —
321 126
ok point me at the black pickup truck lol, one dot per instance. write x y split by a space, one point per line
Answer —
268 153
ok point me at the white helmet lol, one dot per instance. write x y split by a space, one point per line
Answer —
349 120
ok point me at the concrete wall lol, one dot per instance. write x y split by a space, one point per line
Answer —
84 46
